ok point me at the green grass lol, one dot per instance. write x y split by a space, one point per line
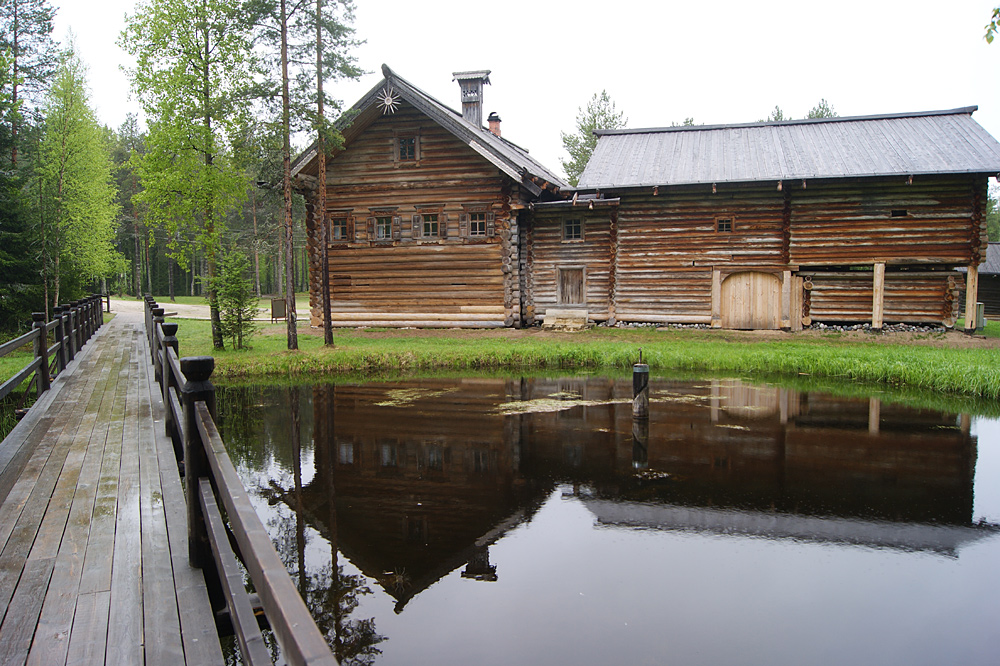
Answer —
991 330
301 301
956 372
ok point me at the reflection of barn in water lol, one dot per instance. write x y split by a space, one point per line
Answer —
426 474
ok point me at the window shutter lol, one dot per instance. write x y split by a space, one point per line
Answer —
371 228
491 224
443 225
417 222
463 225
397 224
416 147
350 228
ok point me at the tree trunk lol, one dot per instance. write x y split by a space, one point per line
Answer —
286 162
170 279
256 246
137 262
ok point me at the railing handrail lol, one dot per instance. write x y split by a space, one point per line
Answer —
211 480
72 326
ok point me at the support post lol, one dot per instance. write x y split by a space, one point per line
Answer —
640 389
41 351
874 415
57 313
166 379
878 295
716 298
155 349
70 339
971 296
78 324
197 388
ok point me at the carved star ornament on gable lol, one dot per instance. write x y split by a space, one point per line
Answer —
388 101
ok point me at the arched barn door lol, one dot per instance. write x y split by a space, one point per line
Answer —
751 300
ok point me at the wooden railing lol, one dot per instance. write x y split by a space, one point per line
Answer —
73 324
211 486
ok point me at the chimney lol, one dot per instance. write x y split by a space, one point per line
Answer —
471 84
494 121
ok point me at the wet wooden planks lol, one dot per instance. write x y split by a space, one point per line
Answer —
93 553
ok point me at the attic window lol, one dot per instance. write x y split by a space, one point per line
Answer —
573 229
898 212
407 148
724 224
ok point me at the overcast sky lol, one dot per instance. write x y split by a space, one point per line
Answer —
660 60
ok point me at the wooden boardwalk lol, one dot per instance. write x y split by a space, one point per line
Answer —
93 534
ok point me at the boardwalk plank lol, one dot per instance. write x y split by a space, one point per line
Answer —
59 609
201 641
127 632
93 549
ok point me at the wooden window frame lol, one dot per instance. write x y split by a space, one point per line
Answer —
419 222
465 222
723 220
566 238
394 229
398 136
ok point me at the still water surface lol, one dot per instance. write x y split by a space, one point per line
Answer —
527 521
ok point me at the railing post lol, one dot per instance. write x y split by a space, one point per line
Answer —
150 304
68 332
95 311
58 335
86 319
167 378
157 364
41 351
78 324
197 388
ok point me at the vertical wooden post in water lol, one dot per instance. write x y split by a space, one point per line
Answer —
640 389
41 351
197 388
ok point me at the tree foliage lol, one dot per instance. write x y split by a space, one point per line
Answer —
77 209
822 110
195 64
237 301
992 27
600 113
26 27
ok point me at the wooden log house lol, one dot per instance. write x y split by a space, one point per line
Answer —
422 212
770 225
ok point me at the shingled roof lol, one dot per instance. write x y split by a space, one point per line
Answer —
931 142
508 157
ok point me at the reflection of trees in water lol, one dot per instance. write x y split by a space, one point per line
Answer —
331 599
241 421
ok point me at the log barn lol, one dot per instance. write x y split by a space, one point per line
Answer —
423 206
770 225
433 220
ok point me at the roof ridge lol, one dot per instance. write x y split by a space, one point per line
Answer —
964 110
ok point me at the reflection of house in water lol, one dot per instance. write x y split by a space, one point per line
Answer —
425 475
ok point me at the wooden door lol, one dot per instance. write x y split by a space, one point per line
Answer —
571 286
751 300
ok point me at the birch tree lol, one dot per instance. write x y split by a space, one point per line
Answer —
194 65
77 211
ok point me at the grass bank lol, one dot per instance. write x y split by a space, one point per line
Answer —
959 372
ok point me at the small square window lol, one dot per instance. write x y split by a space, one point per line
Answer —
572 229
383 228
477 224
430 225
338 229
407 148
724 224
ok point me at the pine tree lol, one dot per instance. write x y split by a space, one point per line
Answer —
599 114
237 302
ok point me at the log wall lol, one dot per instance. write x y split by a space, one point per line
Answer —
454 279
592 253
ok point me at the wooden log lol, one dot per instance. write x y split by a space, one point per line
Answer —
878 295
971 297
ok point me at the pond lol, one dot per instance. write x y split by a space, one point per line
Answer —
531 521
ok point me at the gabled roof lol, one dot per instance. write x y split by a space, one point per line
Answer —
932 142
509 158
